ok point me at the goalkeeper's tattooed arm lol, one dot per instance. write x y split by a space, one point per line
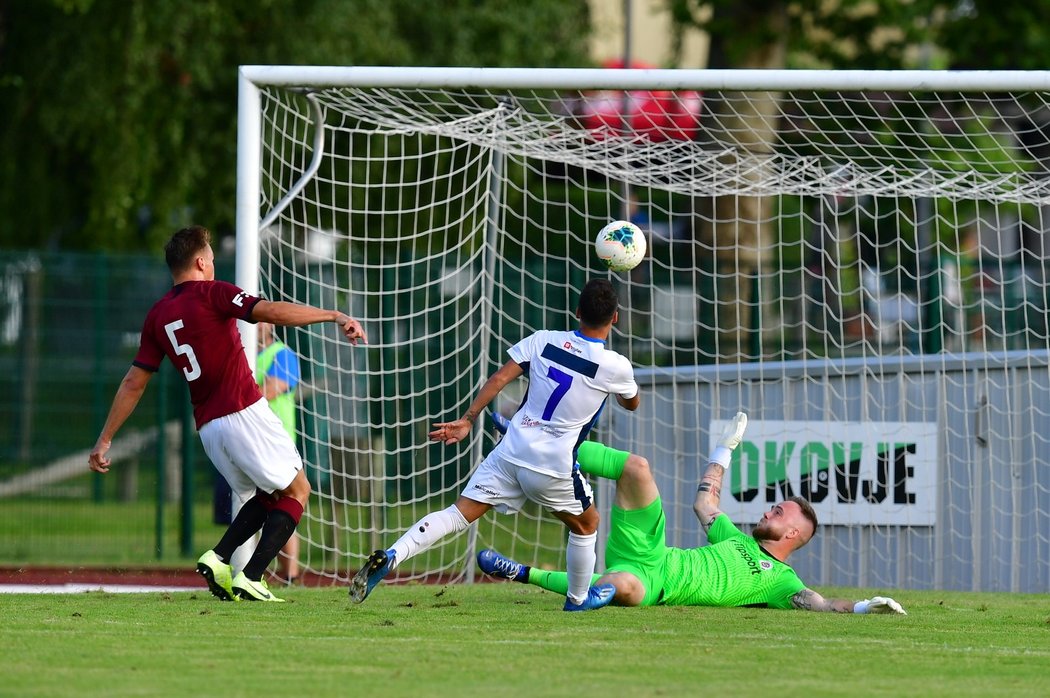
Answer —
709 495
809 600
709 492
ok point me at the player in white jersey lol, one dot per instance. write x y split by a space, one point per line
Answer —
571 376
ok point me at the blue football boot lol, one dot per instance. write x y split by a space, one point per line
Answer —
375 568
496 565
597 597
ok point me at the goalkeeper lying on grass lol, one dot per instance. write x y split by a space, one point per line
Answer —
733 570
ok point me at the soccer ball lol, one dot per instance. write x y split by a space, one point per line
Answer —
620 245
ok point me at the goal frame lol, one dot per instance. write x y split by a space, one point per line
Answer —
253 78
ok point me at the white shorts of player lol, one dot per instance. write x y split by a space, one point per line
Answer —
506 486
252 450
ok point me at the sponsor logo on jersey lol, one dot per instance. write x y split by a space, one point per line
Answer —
527 421
569 346
487 490
744 553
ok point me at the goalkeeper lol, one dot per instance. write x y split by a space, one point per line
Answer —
733 570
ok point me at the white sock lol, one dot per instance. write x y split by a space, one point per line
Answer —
427 531
579 564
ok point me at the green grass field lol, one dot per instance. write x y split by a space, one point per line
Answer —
512 640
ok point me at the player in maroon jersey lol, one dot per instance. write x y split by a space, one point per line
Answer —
195 326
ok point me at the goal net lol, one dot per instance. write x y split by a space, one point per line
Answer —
856 259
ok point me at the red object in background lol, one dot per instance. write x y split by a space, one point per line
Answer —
659 115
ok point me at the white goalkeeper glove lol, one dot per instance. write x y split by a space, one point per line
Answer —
731 437
879 604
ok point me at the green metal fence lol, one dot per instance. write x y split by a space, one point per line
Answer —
69 328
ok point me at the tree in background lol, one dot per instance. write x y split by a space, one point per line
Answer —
871 34
120 116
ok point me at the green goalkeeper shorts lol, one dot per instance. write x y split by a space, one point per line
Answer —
637 545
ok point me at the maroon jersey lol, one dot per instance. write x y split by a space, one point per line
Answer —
195 326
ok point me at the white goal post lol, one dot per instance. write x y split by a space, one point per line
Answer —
858 259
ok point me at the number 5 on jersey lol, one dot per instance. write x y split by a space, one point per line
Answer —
194 371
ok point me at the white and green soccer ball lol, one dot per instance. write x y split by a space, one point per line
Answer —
620 245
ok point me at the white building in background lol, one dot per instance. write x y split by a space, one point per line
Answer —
650 34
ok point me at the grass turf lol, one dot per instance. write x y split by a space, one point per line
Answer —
509 639
56 532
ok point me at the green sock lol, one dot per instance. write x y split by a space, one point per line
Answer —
557 582
600 460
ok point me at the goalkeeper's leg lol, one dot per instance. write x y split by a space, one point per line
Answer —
552 580
601 460
635 486
496 565
593 458
629 590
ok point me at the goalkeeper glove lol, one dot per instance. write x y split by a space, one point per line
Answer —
731 437
879 604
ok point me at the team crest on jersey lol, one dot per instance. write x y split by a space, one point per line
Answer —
766 565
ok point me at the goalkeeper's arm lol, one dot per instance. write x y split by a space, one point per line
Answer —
709 491
809 600
709 495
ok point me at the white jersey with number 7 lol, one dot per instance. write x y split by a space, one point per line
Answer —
570 378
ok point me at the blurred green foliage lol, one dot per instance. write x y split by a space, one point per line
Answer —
873 34
119 116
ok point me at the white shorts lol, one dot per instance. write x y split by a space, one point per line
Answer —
507 485
252 450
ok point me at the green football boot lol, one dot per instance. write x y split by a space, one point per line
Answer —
218 575
250 590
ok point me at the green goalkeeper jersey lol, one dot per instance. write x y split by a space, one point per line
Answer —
731 571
